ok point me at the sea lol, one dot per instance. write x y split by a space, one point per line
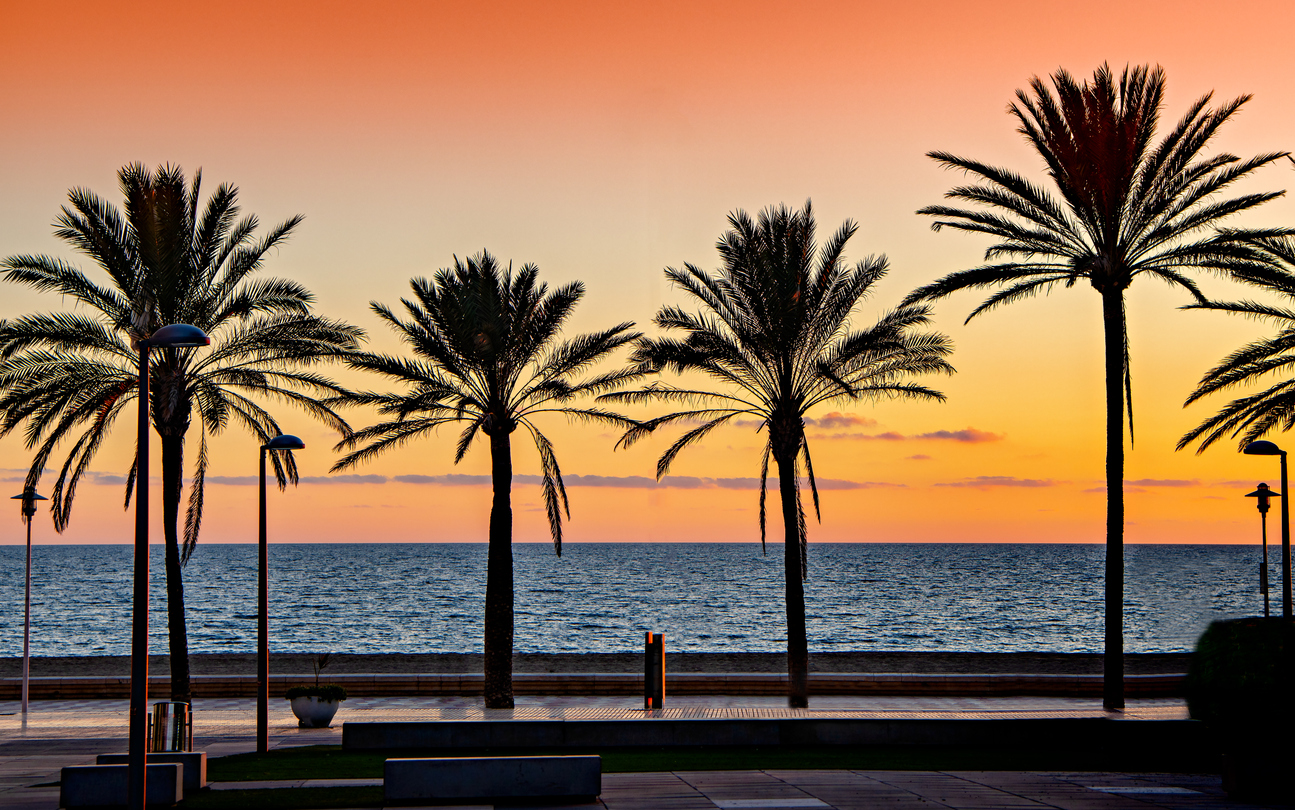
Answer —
602 597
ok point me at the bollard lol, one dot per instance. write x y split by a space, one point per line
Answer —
654 671
170 727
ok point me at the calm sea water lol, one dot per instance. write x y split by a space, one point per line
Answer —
601 597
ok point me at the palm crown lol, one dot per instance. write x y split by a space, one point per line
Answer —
775 331
1253 416
74 373
487 353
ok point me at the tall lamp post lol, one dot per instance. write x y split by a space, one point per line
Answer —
1266 448
176 336
282 442
1263 493
28 498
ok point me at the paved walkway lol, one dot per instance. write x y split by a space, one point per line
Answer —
60 733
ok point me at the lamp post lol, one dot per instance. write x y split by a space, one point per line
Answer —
1266 448
28 498
176 336
282 442
1263 493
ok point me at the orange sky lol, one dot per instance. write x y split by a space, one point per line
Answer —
607 141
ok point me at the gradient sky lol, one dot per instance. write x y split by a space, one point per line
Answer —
607 141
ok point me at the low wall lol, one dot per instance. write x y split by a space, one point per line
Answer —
1075 733
596 684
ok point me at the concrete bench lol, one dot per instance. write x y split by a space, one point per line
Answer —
106 785
194 762
413 781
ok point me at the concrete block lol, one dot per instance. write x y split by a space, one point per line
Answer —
106 785
412 781
194 762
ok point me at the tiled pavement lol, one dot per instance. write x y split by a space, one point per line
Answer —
59 733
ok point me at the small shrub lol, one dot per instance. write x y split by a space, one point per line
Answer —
1243 674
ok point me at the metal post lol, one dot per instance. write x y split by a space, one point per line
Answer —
262 633
1286 543
26 622
136 770
1263 567
653 671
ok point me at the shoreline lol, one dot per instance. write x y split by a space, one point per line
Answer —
855 662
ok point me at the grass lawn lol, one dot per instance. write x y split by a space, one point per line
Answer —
331 762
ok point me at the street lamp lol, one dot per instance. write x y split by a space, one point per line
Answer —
28 498
176 336
1266 448
281 442
1263 493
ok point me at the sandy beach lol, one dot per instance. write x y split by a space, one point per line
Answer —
444 663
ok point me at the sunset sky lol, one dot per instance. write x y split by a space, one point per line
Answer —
607 141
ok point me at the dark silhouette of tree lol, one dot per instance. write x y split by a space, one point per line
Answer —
1125 207
1254 416
68 376
775 332
487 353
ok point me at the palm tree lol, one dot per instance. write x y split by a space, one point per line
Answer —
70 375
1252 417
1128 207
775 332
487 354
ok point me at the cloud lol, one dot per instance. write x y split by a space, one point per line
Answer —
888 436
969 435
640 481
1162 482
251 480
1127 489
918 457
999 481
840 421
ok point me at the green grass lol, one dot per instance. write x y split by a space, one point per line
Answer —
331 762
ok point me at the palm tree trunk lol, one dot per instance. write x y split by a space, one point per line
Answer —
499 579
172 486
1113 658
793 565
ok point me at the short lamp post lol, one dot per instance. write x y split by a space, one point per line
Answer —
1266 448
282 442
175 336
28 498
1263 493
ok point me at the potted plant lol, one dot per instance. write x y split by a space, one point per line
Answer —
315 705
1241 684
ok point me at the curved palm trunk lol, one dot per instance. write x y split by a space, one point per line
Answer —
172 486
797 642
1113 659
499 579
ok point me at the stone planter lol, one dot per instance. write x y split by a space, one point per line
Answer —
313 711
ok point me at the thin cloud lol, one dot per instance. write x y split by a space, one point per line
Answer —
1162 482
840 421
251 480
888 436
968 435
999 481
640 481
918 457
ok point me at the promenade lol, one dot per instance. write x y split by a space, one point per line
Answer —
70 732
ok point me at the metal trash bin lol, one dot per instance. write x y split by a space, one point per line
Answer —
170 727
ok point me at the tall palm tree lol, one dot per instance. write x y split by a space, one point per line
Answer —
1253 416
68 376
1127 207
775 332
487 354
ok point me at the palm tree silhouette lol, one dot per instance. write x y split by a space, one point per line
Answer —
487 354
1252 417
70 375
1128 207
774 331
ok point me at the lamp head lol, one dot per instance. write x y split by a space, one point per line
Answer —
1262 448
178 336
29 499
284 442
